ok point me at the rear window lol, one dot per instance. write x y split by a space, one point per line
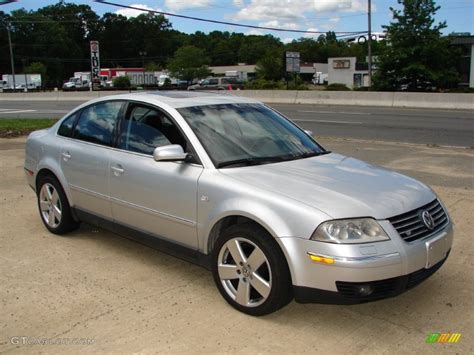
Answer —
67 125
97 123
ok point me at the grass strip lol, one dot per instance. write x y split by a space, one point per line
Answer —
15 127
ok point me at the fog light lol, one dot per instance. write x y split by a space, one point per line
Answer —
365 290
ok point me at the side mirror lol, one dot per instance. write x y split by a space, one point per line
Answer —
308 132
172 152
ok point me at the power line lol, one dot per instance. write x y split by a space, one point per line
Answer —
221 22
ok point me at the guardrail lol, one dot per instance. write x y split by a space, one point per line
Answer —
355 98
351 98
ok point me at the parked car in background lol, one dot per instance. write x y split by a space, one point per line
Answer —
231 184
219 83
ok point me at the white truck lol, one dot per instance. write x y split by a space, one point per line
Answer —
22 82
80 81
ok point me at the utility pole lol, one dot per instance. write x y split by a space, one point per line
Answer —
369 43
11 55
143 55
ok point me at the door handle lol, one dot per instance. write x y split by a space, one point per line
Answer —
66 156
118 170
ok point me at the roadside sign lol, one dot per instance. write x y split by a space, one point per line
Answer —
95 65
292 62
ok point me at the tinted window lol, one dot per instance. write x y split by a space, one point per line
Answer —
146 128
65 129
97 123
213 81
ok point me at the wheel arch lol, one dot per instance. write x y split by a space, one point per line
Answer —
45 170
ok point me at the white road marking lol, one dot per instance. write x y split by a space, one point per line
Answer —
338 112
327 121
17 111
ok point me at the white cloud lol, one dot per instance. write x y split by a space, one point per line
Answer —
267 10
176 5
311 35
133 12
295 14
331 5
277 24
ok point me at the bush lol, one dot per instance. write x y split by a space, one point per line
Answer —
296 83
262 84
337 87
121 82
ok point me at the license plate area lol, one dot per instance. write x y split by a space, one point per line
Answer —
435 251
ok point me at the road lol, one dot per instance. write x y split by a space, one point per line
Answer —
434 127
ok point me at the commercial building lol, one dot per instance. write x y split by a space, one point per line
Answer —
308 71
465 42
346 70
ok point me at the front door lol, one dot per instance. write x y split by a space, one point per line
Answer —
155 197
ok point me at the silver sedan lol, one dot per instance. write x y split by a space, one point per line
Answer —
234 186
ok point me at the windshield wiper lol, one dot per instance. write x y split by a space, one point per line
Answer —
250 161
311 154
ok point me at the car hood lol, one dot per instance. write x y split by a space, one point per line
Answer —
340 186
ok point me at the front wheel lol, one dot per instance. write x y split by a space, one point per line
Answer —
250 270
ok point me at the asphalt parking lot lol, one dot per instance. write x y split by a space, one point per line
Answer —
126 297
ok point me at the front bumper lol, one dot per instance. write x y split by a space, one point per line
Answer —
387 268
348 292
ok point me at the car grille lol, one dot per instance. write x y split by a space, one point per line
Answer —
411 227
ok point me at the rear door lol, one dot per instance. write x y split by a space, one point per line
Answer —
85 156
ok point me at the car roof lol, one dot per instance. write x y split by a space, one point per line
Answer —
179 99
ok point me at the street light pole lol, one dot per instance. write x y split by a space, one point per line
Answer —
11 55
369 42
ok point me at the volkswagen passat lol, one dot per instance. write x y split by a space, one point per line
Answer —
233 185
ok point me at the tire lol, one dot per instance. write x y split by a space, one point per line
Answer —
53 206
263 289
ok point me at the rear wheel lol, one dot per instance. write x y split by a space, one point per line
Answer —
54 207
250 270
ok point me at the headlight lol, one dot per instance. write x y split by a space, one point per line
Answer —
350 231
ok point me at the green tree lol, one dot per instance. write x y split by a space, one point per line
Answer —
37 68
121 82
417 57
188 63
270 66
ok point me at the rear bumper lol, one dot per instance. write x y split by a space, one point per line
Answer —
347 292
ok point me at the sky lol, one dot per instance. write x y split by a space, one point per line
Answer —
309 15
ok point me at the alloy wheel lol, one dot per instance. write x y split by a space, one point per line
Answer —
244 272
50 205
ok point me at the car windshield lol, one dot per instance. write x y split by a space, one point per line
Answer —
248 134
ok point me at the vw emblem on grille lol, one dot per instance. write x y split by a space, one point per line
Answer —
427 219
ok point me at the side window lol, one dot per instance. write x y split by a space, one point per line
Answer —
213 81
145 128
65 129
97 123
